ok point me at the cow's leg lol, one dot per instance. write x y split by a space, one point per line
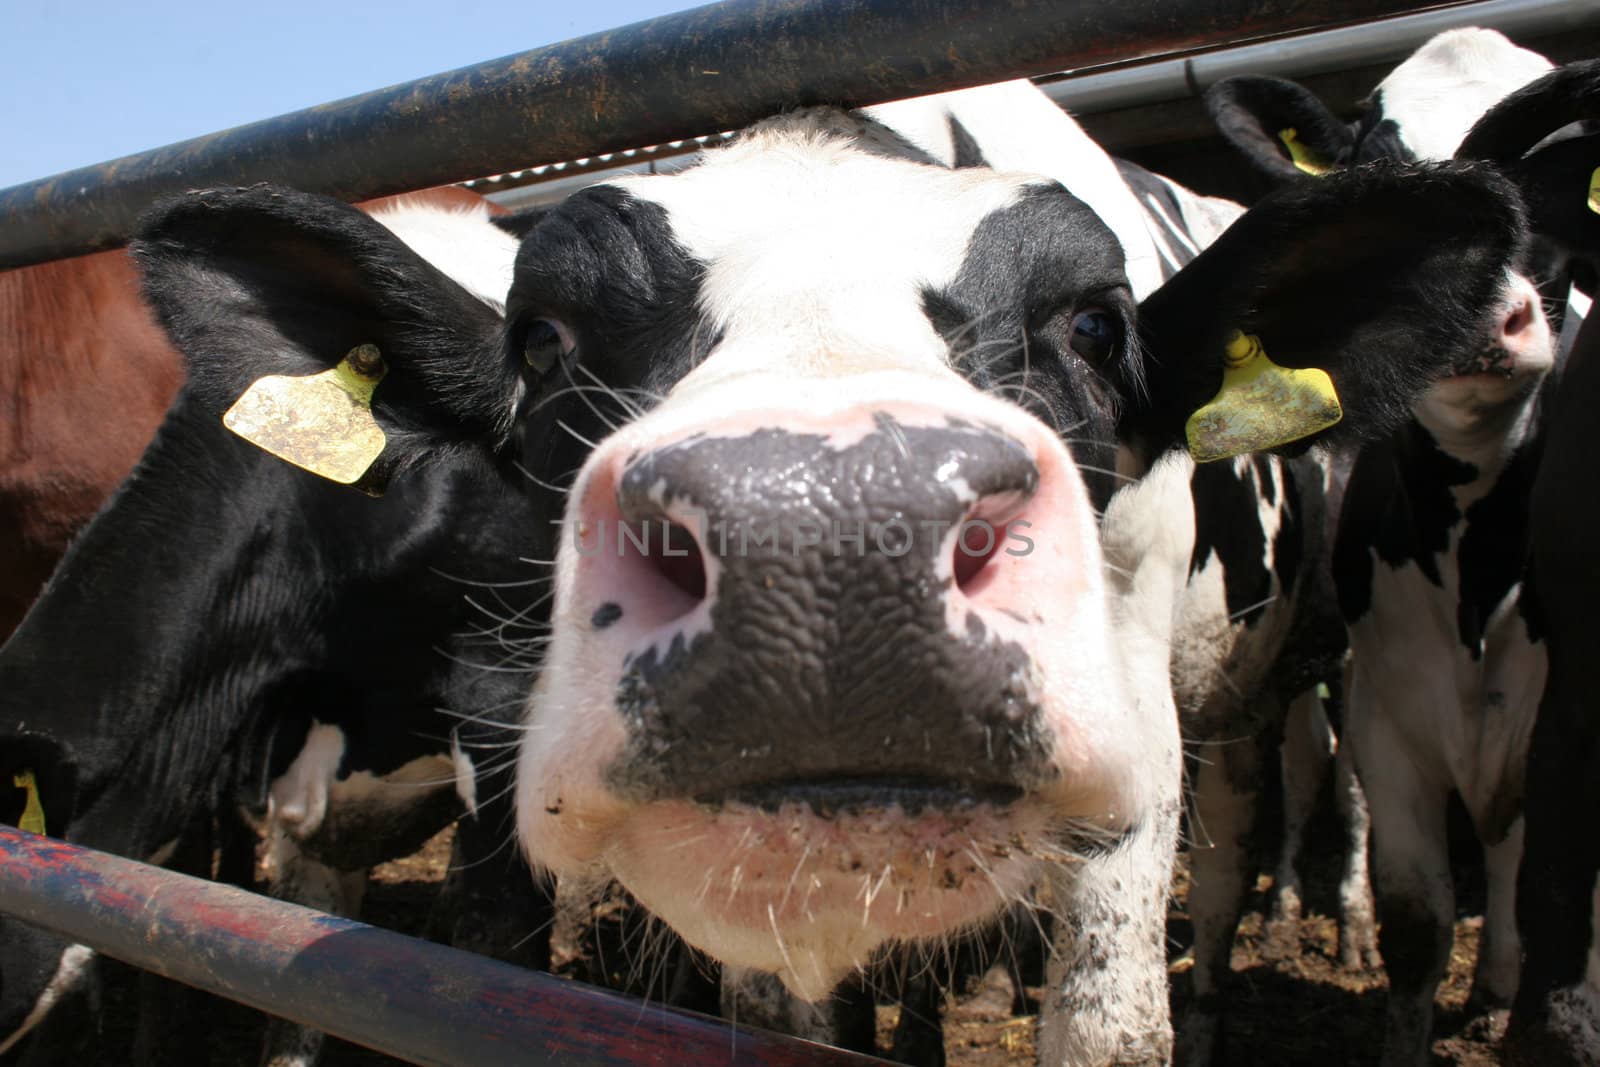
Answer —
919 1031
1110 934
755 998
293 875
1494 980
1415 896
172 1016
491 902
1304 756
1358 923
1556 1020
1225 793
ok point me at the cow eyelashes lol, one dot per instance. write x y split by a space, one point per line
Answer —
545 342
1094 335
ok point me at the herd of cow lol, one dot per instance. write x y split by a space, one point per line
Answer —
812 542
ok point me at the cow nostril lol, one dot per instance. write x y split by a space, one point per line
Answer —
977 543
1519 318
671 550
982 538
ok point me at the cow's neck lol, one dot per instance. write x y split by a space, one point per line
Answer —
1480 420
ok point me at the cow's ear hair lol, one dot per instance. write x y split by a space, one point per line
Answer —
1281 127
1384 276
520 223
1561 185
266 280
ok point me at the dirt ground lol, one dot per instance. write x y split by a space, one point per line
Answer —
1297 1010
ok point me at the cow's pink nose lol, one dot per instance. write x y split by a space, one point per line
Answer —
1522 315
1524 334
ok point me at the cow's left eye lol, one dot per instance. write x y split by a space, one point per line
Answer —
1094 335
545 343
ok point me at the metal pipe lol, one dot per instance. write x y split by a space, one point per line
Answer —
411 999
1298 57
1161 81
711 68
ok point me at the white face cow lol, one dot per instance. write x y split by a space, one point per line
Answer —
827 412
866 516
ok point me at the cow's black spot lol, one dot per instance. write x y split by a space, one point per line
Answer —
1398 507
1007 316
605 615
1227 526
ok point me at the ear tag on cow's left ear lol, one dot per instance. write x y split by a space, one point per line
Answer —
1260 405
32 811
1301 154
321 422
1594 191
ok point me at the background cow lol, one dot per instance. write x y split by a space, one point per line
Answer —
85 377
1556 1017
231 624
1431 546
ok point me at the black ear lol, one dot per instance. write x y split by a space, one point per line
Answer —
520 223
1561 185
1529 115
1385 276
1561 181
270 281
1262 117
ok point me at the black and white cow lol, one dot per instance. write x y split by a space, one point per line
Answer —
1432 544
231 626
898 648
1556 1016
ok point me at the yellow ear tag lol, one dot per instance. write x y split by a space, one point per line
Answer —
1594 191
1302 156
32 811
322 422
1260 405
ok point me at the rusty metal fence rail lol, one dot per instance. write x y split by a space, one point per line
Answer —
414 1000
711 68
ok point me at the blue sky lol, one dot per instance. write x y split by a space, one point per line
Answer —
92 80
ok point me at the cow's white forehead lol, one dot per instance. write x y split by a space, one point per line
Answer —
1446 85
824 241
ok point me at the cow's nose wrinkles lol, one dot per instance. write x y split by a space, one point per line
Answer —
709 505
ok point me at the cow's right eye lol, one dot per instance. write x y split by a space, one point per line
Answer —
546 342
1094 335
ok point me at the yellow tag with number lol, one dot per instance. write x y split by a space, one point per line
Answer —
1594 191
32 811
1260 405
1302 155
321 422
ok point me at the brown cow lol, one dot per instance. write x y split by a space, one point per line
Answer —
85 378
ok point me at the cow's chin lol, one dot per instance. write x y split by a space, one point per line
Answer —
808 897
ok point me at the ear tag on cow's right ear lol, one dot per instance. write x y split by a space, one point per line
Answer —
1594 191
1301 154
1260 405
322 422
32 811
